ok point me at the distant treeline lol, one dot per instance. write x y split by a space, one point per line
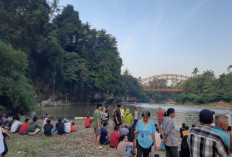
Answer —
206 88
46 52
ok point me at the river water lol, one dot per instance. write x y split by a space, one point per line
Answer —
184 114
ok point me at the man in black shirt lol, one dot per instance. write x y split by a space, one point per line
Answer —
48 128
60 127
117 116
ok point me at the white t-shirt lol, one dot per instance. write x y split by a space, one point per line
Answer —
45 121
2 148
15 126
67 127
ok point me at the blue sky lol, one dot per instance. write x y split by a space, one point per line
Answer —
164 36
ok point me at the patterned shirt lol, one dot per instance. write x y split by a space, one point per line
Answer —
205 143
170 130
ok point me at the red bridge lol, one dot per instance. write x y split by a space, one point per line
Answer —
163 83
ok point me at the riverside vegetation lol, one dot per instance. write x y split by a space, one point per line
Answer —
48 53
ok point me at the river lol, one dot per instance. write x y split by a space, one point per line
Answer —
184 114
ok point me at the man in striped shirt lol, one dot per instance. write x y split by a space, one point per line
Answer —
202 141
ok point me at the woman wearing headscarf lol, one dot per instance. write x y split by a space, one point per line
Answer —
128 117
145 135
169 130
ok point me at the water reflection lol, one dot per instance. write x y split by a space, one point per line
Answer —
186 115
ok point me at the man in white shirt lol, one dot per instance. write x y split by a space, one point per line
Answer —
67 126
16 125
45 120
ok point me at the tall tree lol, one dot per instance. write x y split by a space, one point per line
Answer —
195 71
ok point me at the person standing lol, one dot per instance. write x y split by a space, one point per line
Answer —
34 127
97 126
145 135
170 141
122 111
220 128
117 116
136 117
160 115
203 141
128 118
107 112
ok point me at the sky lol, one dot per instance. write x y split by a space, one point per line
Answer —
164 36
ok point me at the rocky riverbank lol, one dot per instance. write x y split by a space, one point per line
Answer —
77 144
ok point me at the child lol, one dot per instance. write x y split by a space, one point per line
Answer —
48 128
88 122
73 128
24 127
124 146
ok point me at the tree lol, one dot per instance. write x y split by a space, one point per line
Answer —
195 71
16 93
229 68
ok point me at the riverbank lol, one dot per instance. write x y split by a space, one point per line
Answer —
217 105
77 144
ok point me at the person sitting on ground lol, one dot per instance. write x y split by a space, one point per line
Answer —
131 133
24 127
114 137
48 128
220 128
157 139
128 118
104 140
4 119
124 146
34 127
182 129
202 140
45 120
124 131
88 122
16 125
60 127
184 152
162 146
103 115
67 126
73 128
193 125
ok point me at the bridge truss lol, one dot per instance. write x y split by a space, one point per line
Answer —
163 83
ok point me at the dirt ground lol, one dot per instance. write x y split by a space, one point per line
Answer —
77 144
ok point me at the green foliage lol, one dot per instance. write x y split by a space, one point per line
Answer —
16 94
206 88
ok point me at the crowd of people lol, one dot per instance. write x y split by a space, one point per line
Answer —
143 138
140 137
31 128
